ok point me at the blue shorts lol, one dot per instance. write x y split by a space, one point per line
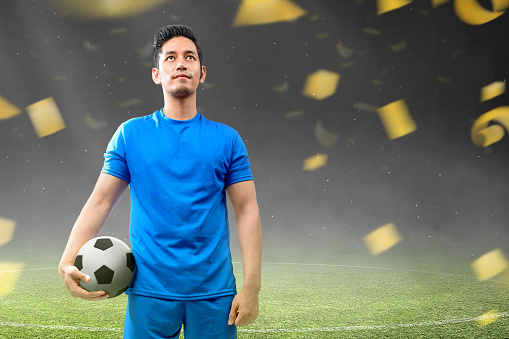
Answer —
148 317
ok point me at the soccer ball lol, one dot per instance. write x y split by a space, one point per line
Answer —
110 264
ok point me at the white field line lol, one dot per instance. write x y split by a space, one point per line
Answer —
280 330
272 330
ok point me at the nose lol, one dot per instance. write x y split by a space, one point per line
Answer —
181 65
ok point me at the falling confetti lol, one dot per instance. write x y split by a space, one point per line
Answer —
365 107
473 13
325 138
484 133
344 51
382 239
293 114
321 84
130 102
489 265
385 6
492 90
399 46
101 9
260 12
9 274
315 162
396 119
436 3
7 228
7 110
94 123
45 116
487 318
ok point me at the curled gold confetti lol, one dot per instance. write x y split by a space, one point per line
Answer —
484 133
492 90
473 13
325 137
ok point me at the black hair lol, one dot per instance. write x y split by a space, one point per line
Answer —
168 32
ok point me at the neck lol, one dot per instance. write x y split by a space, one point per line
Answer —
180 108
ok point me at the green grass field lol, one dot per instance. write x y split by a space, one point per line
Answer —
407 292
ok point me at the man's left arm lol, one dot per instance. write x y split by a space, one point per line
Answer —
245 306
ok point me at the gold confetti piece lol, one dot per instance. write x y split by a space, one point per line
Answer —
382 239
94 123
473 13
90 46
396 119
347 64
322 35
281 88
45 116
7 227
321 84
489 265
207 85
130 103
260 12
399 46
325 138
385 6
376 82
117 31
488 318
293 114
344 51
146 51
365 107
7 110
316 161
9 274
484 133
492 90
372 31
443 79
60 77
314 17
436 3
101 9
358 2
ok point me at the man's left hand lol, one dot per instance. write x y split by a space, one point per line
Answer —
244 309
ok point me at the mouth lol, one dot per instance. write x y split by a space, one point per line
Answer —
181 76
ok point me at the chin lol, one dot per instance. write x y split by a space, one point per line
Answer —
181 93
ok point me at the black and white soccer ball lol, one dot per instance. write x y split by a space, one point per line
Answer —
110 264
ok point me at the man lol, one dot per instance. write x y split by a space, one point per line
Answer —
179 167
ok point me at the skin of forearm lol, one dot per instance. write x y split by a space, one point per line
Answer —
89 224
250 241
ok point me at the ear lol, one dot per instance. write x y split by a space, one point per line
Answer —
155 76
203 74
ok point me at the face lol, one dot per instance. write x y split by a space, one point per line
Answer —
179 71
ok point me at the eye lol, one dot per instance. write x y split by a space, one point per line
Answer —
170 57
190 56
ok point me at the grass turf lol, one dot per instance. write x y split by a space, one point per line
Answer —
404 293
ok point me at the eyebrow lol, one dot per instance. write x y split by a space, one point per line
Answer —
185 52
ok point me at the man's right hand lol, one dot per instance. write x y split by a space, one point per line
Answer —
71 275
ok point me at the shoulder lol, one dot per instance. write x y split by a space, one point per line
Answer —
138 122
219 127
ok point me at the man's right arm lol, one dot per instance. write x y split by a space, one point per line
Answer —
107 192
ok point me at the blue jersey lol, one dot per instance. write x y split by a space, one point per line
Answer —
178 172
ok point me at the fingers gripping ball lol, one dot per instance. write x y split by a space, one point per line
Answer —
110 264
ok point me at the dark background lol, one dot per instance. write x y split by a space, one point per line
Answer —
434 184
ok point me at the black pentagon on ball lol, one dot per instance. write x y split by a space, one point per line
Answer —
130 261
79 262
103 244
104 275
119 292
